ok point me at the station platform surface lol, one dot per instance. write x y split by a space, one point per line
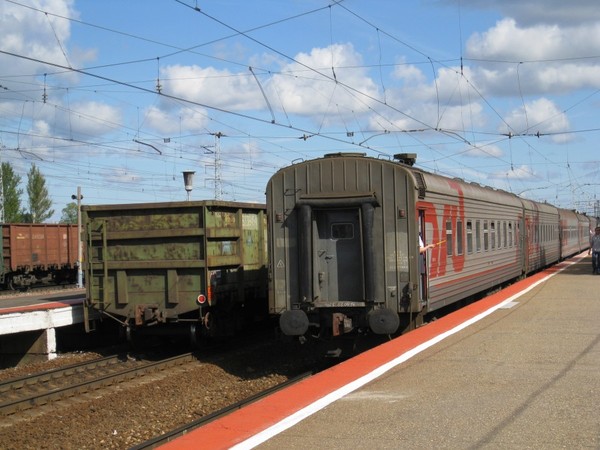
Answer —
40 311
518 369
29 324
33 301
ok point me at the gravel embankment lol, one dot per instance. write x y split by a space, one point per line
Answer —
128 415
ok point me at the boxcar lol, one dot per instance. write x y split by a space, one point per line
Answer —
37 254
195 267
344 243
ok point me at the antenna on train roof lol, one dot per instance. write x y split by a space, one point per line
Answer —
406 158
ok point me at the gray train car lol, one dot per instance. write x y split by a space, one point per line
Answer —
195 267
344 236
478 237
541 235
587 225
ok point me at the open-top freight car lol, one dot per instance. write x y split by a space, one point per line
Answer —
345 251
37 254
196 267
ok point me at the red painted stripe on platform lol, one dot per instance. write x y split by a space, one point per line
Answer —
42 306
257 417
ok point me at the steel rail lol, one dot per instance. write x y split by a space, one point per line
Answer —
32 400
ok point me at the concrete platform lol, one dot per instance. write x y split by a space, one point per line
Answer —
29 324
519 369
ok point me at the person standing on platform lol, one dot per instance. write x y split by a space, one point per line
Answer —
595 251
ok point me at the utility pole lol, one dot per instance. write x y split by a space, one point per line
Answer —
218 186
78 197
1 188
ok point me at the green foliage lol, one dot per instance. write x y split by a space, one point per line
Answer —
40 205
69 213
12 194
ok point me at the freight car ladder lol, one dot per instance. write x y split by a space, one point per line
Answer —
90 302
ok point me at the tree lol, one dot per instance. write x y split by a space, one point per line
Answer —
12 194
69 213
39 201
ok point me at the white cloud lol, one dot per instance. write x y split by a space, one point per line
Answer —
171 122
299 90
540 115
508 41
515 60
221 89
523 172
484 151
38 36
448 102
542 11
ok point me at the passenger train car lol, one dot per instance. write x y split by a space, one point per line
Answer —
344 243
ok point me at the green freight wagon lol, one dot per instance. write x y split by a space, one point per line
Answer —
197 267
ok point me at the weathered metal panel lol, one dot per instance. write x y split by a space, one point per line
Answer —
347 181
167 254
38 245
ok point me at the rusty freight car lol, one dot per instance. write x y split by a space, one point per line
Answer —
37 254
197 268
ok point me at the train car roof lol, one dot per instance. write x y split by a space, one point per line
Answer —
439 183
179 204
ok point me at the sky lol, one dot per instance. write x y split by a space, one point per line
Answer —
120 98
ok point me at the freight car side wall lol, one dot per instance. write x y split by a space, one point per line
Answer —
38 245
151 263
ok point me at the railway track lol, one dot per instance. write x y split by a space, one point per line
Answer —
157 407
40 389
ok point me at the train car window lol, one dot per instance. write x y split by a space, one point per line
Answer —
498 234
500 241
469 237
510 234
505 234
459 237
342 231
486 236
542 233
493 234
449 248
478 235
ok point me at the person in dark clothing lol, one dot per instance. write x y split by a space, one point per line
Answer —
595 251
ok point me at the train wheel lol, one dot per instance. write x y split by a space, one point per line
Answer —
194 338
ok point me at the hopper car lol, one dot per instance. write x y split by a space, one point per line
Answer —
344 248
196 269
37 255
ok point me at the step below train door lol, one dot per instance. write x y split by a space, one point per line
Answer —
337 257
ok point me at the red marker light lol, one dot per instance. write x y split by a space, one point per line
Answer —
201 299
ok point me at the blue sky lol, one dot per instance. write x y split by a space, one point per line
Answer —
121 97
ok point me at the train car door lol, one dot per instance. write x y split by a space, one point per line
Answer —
337 255
423 259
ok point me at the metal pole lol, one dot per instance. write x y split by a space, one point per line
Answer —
79 249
